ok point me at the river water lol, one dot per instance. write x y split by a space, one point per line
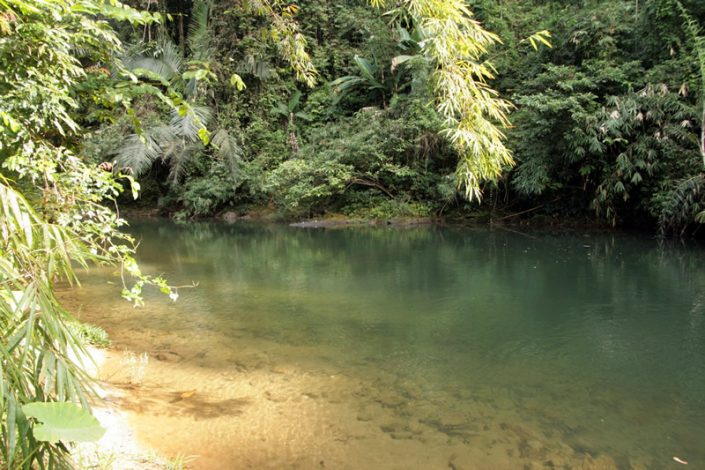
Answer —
378 348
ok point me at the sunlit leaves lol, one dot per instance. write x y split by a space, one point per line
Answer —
472 112
236 81
53 213
539 38
63 422
286 34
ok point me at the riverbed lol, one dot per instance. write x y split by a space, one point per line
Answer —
422 347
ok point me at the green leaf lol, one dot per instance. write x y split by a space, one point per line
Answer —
304 116
540 37
294 101
366 68
204 135
199 74
236 81
282 109
61 421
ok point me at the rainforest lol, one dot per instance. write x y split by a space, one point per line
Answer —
601 120
351 234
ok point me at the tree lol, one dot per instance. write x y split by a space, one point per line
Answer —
695 33
454 46
54 60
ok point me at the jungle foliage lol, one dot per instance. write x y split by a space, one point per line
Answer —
57 64
96 94
428 54
366 108
605 113
607 121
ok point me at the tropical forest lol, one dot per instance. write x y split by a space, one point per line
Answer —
352 234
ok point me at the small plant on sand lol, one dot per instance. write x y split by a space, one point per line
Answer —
180 462
136 366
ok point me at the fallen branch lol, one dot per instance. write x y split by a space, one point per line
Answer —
526 211
372 184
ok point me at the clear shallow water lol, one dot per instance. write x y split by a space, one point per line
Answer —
415 348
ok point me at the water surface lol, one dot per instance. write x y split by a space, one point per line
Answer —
415 348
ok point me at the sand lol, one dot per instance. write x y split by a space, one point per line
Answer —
119 448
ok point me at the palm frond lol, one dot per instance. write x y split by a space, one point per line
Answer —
255 66
137 154
228 150
188 125
199 36
179 155
164 60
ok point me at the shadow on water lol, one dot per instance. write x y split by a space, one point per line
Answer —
488 346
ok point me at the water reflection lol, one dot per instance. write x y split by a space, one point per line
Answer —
465 347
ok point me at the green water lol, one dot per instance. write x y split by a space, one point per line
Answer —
463 348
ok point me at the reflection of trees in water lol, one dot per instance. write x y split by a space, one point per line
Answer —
565 328
464 291
546 269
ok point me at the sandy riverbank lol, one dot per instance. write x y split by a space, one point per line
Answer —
119 448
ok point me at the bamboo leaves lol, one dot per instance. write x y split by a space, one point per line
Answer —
53 216
473 114
695 32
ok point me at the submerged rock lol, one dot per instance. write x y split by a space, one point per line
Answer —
168 356
390 399
400 435
601 462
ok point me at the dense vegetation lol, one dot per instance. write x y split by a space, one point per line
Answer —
64 69
605 123
53 216
371 109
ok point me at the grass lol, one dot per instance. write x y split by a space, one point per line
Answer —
91 334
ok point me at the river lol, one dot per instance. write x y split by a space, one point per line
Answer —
383 348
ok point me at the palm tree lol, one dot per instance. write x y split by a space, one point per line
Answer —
178 141
288 111
371 78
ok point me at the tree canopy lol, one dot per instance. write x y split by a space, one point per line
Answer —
403 109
